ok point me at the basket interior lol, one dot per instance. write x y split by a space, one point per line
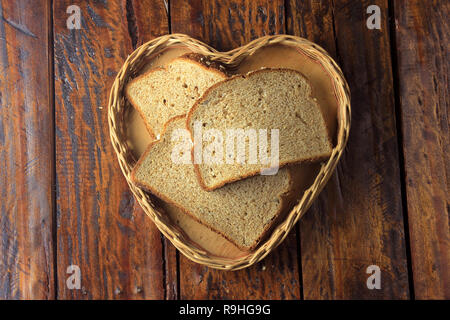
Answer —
193 239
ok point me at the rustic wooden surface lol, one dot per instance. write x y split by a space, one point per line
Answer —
26 152
422 36
363 196
64 201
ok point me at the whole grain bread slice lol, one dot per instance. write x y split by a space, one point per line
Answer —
261 104
242 212
171 90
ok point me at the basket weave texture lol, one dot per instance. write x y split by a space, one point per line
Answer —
116 116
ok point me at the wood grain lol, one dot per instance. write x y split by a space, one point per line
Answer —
312 20
26 152
100 228
422 36
357 220
226 25
151 18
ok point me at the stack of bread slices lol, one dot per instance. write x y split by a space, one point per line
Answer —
191 108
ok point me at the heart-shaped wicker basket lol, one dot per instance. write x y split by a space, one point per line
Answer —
116 115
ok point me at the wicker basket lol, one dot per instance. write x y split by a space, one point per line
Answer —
116 111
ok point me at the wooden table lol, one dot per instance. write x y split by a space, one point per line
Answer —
64 202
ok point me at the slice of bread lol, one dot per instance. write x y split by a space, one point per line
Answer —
163 93
265 99
242 212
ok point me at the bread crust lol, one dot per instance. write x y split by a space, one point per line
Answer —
285 198
253 173
191 57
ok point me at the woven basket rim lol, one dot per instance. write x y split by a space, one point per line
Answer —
116 108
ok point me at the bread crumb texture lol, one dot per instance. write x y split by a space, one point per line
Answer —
163 93
241 211
264 99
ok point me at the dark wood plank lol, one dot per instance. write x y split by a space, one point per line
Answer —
171 258
150 19
26 152
312 20
357 220
100 228
422 37
226 25
275 277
